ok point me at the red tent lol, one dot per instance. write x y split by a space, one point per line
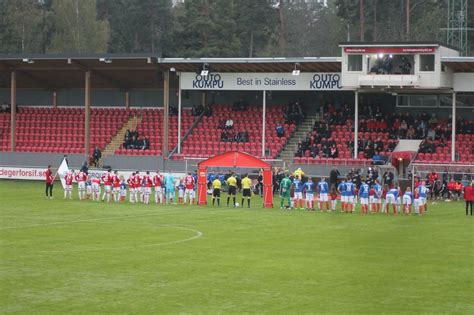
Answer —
236 159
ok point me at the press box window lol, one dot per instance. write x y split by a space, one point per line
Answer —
354 63
427 62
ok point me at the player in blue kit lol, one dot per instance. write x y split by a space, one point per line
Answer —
407 201
422 193
298 191
364 197
349 191
342 191
323 190
391 199
308 187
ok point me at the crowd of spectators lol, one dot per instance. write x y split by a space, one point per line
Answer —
5 108
293 113
228 134
132 140
197 110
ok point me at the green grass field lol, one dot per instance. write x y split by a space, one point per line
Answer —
69 256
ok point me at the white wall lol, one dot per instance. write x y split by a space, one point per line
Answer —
463 82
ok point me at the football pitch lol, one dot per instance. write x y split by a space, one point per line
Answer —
60 256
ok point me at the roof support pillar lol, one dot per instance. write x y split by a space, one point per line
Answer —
13 110
356 124
127 99
179 115
453 131
55 99
264 111
166 105
87 113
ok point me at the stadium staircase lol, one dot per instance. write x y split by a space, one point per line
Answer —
288 152
117 140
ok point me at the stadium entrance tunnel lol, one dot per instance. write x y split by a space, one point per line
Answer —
235 159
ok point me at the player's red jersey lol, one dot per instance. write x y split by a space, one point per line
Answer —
115 181
372 192
189 182
68 178
137 180
96 180
416 194
333 195
81 177
148 181
384 193
157 180
107 179
48 176
130 182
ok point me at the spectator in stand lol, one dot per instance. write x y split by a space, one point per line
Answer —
5 108
333 152
280 130
208 111
229 124
197 110
469 196
96 155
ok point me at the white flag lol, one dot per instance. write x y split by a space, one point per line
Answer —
62 170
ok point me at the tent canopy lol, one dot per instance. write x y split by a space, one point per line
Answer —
234 159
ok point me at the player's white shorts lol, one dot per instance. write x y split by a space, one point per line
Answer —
146 190
309 197
374 199
107 188
158 189
298 195
81 185
416 204
390 199
68 187
89 189
350 199
323 197
180 193
399 200
189 192
344 199
95 187
116 190
406 200
422 201
364 201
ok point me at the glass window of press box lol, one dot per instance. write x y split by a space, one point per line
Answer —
427 62
354 63
390 64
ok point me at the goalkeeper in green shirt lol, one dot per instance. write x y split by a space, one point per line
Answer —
285 186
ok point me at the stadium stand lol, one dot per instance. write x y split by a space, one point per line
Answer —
206 139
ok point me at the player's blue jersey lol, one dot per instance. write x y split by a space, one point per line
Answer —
309 187
323 187
378 191
211 177
393 192
342 188
123 185
364 191
297 185
181 187
349 191
423 191
222 178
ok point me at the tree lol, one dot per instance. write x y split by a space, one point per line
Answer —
22 23
76 28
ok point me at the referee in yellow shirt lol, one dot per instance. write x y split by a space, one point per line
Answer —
232 183
216 191
246 189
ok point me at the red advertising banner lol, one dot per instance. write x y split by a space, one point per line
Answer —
391 50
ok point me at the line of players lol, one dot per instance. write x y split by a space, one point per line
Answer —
113 186
373 199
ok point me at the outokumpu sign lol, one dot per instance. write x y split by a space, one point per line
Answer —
262 81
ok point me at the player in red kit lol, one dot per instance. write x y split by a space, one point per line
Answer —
107 180
131 187
189 183
157 180
81 178
148 183
116 186
96 188
138 187
68 178
49 178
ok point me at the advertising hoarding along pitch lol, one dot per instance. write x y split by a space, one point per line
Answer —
323 81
